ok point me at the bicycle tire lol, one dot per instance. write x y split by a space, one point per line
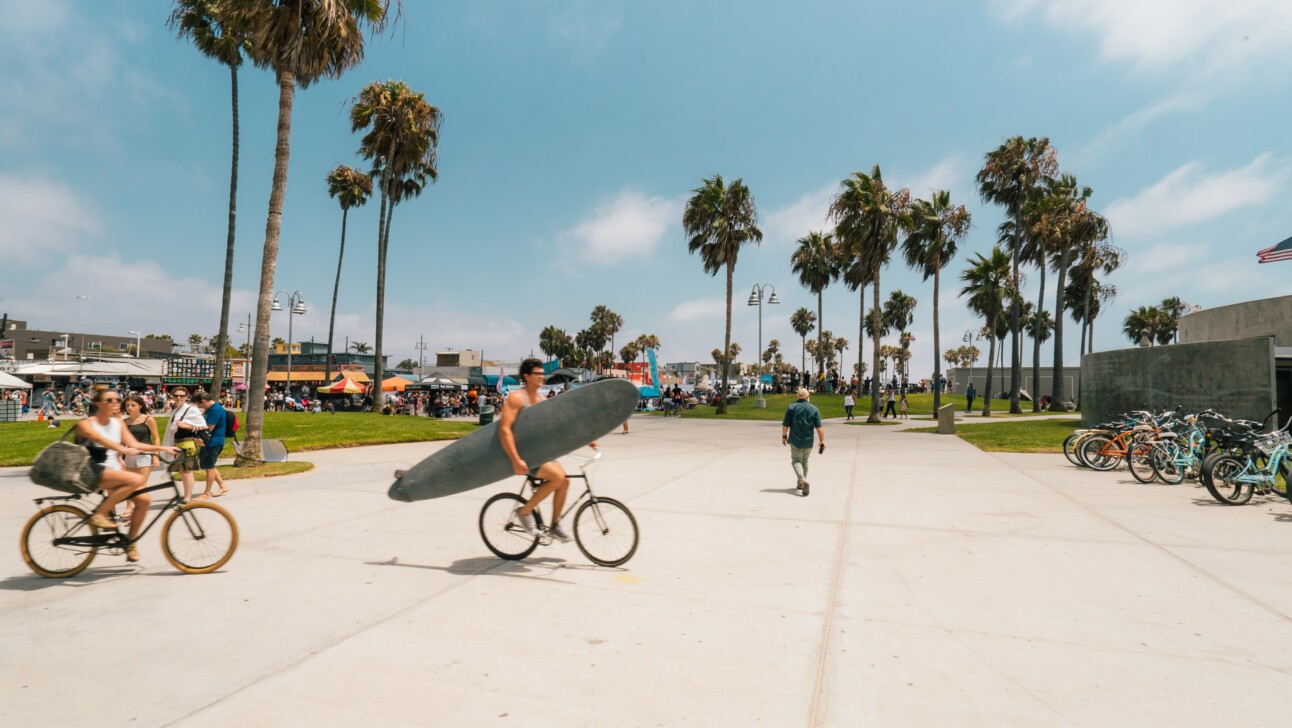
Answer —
1165 466
186 548
500 531
1070 444
1092 456
1219 484
37 544
610 530
1140 462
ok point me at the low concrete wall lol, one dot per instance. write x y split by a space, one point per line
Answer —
1266 317
1235 377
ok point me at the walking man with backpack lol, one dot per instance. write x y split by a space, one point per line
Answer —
217 423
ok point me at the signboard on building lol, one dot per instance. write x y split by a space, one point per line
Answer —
191 371
6 348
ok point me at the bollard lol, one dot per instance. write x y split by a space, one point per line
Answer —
947 419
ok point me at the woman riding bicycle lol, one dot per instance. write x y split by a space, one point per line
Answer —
108 439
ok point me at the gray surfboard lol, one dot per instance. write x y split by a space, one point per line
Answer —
544 432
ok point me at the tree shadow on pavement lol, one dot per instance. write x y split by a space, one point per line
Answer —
538 568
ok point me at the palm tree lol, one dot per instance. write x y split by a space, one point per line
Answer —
1009 177
1173 308
401 139
628 352
610 321
1085 293
360 347
1082 228
1143 324
841 344
770 353
905 341
195 342
856 274
898 313
867 217
803 322
302 41
219 31
1039 326
552 342
352 188
719 219
987 282
935 229
816 263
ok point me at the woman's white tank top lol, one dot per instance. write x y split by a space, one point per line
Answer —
112 431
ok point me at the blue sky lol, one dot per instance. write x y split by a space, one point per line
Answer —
574 130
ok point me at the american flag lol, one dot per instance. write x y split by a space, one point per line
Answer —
1282 251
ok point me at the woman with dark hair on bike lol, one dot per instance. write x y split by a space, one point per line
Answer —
108 439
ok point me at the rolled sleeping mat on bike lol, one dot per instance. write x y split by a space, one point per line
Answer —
544 432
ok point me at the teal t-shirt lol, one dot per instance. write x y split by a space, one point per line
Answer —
802 418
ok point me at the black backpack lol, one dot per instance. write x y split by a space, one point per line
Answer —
231 425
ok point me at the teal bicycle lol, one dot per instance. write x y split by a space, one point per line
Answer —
1262 468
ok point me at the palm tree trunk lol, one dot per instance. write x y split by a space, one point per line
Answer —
222 340
1036 343
336 289
861 336
820 341
252 453
937 343
382 246
726 348
1057 392
991 364
802 356
874 320
1015 343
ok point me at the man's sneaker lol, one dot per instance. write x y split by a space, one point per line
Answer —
558 531
806 488
527 522
799 486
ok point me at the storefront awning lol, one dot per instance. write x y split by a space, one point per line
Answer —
298 377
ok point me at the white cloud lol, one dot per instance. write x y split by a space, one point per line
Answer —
699 309
1192 194
40 217
630 226
1215 37
948 174
1135 122
808 213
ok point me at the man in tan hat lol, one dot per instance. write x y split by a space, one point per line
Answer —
801 419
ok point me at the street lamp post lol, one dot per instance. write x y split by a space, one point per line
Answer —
246 354
296 306
969 338
756 299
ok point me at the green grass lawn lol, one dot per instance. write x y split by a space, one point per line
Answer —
1037 436
831 405
300 431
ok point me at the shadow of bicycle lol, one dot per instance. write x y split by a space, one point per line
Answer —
539 568
34 582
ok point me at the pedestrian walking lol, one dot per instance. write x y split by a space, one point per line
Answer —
848 404
970 394
216 420
902 406
801 420
890 408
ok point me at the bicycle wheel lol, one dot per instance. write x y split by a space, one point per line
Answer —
1219 480
606 531
502 532
1070 445
1164 464
1091 453
54 561
199 538
1140 461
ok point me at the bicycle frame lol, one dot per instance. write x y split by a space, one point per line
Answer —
115 538
1250 475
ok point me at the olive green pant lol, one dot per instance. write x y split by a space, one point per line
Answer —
799 460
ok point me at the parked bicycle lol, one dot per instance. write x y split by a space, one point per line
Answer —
59 541
604 528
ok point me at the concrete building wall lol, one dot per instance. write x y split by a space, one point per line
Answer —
1235 377
1266 317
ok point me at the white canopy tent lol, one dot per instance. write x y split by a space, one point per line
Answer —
9 381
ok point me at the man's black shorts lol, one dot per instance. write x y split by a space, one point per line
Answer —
208 455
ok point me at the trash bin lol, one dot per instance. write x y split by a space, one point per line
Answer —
486 414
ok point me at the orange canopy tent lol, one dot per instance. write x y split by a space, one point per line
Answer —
344 385
394 384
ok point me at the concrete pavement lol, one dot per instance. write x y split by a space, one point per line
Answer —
924 582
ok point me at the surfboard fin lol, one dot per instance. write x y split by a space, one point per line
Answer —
400 474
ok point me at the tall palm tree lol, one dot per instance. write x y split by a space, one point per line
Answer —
987 281
1081 227
302 41
1087 294
856 276
351 188
867 217
803 322
1009 177
816 263
401 139
551 341
219 31
719 219
610 321
935 229
1038 326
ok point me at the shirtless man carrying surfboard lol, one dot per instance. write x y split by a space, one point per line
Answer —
552 475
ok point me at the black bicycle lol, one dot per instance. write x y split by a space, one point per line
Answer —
59 541
604 528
